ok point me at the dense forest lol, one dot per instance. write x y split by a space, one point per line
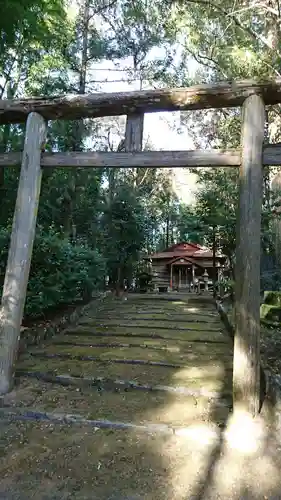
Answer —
98 223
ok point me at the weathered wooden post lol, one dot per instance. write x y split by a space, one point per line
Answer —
22 238
134 132
193 277
246 363
134 137
171 277
276 223
205 280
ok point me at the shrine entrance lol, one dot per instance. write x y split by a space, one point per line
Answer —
250 159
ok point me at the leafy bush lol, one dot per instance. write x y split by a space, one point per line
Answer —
61 273
227 285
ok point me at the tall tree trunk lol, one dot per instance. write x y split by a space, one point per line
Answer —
214 249
118 282
78 126
11 89
168 230
5 136
266 170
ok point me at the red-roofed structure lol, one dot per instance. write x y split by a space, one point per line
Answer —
182 264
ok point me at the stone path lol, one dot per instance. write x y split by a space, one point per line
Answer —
131 403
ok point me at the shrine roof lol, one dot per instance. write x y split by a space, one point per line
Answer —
185 249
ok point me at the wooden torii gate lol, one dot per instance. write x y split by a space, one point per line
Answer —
250 158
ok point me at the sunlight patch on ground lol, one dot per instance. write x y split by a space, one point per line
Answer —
173 349
246 434
190 450
191 309
200 434
180 412
247 467
203 372
205 463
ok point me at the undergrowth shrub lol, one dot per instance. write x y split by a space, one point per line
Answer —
61 273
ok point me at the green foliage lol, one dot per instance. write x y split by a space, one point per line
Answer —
123 232
85 229
216 207
227 285
227 41
61 273
30 16
97 222
189 225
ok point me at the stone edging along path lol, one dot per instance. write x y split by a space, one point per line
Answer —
98 359
270 383
14 412
20 414
105 383
34 335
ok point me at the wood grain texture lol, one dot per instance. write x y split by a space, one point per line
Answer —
71 107
133 139
19 258
246 365
148 159
272 155
134 133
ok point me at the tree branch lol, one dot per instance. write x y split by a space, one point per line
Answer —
269 9
198 58
236 21
122 80
102 9
279 10
243 9
143 177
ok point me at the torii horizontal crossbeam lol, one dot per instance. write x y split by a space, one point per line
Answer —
71 107
147 159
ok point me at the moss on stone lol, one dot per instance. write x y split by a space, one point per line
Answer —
270 312
273 298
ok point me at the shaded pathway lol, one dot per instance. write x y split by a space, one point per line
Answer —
127 401
139 365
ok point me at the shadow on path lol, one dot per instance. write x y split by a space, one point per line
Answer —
48 460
